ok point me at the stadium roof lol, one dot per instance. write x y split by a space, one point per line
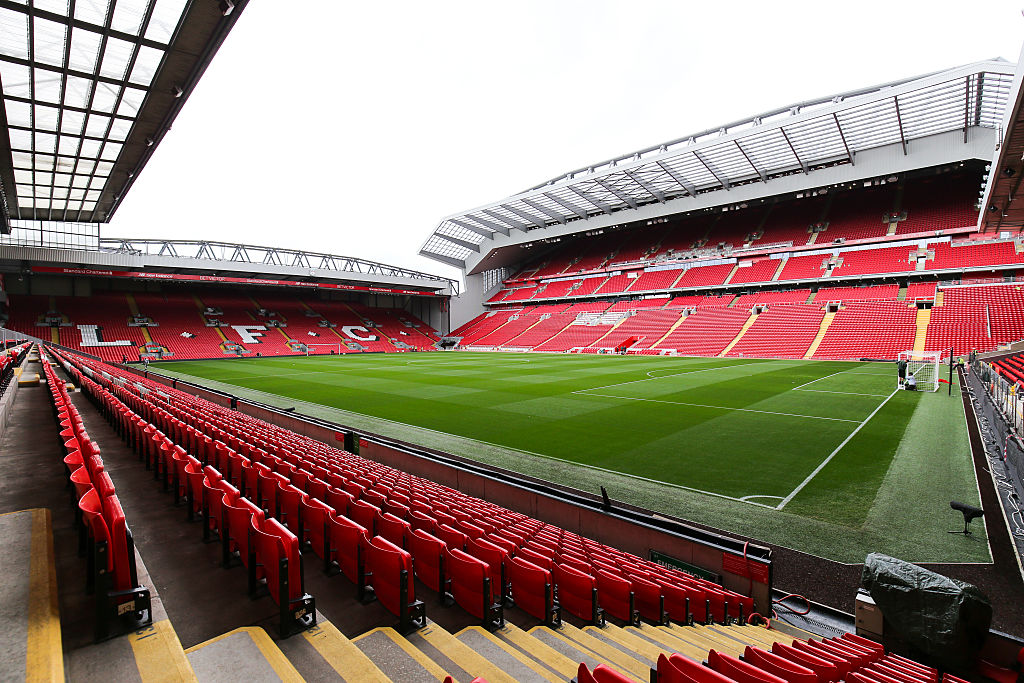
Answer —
90 87
790 140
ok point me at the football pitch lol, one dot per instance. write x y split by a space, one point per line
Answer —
821 456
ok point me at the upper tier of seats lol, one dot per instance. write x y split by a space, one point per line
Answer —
876 321
914 207
214 324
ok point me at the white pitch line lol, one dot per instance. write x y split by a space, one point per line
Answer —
687 372
705 405
818 380
831 455
845 393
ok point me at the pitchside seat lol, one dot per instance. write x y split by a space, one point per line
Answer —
275 556
312 522
453 538
393 529
496 558
577 594
469 585
365 515
649 600
389 576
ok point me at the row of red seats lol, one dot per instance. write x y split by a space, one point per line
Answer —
268 550
534 564
122 604
848 658
10 359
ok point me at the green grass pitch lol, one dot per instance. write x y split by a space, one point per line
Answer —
820 456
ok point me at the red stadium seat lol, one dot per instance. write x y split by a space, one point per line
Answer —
601 674
740 671
616 597
496 558
428 551
679 669
389 572
577 594
277 552
345 549
532 590
469 584
784 668
826 670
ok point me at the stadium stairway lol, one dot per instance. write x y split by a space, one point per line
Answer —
743 331
825 322
924 316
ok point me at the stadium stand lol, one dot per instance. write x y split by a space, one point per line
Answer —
781 331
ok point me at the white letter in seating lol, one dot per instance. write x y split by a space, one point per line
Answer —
91 337
350 331
250 334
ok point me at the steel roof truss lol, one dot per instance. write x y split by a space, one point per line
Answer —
528 217
568 205
505 219
622 196
650 189
712 170
545 210
593 200
680 180
466 225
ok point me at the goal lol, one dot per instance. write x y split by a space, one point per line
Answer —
924 366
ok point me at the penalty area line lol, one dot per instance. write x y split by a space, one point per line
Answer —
819 468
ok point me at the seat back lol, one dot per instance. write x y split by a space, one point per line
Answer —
421 520
740 671
365 515
340 500
313 514
288 499
783 668
533 557
532 587
615 594
453 538
274 543
470 584
577 592
495 557
241 516
427 551
394 529
391 569
346 544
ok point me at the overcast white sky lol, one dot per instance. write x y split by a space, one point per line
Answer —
353 127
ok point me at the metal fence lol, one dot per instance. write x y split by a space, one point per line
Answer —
998 407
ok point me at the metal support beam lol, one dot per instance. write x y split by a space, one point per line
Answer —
899 122
719 176
561 202
496 227
793 150
474 228
979 91
506 220
623 197
461 243
528 217
681 180
544 210
596 202
650 189
761 173
842 136
967 105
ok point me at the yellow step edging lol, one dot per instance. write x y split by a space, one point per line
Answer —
342 654
158 654
521 657
44 658
542 652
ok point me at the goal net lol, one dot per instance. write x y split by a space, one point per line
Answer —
923 367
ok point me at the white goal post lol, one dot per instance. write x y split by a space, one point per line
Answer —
336 346
923 366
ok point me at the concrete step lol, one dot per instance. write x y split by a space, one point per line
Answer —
641 650
536 650
28 586
665 638
455 657
755 635
706 642
507 657
323 653
583 647
244 654
397 658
